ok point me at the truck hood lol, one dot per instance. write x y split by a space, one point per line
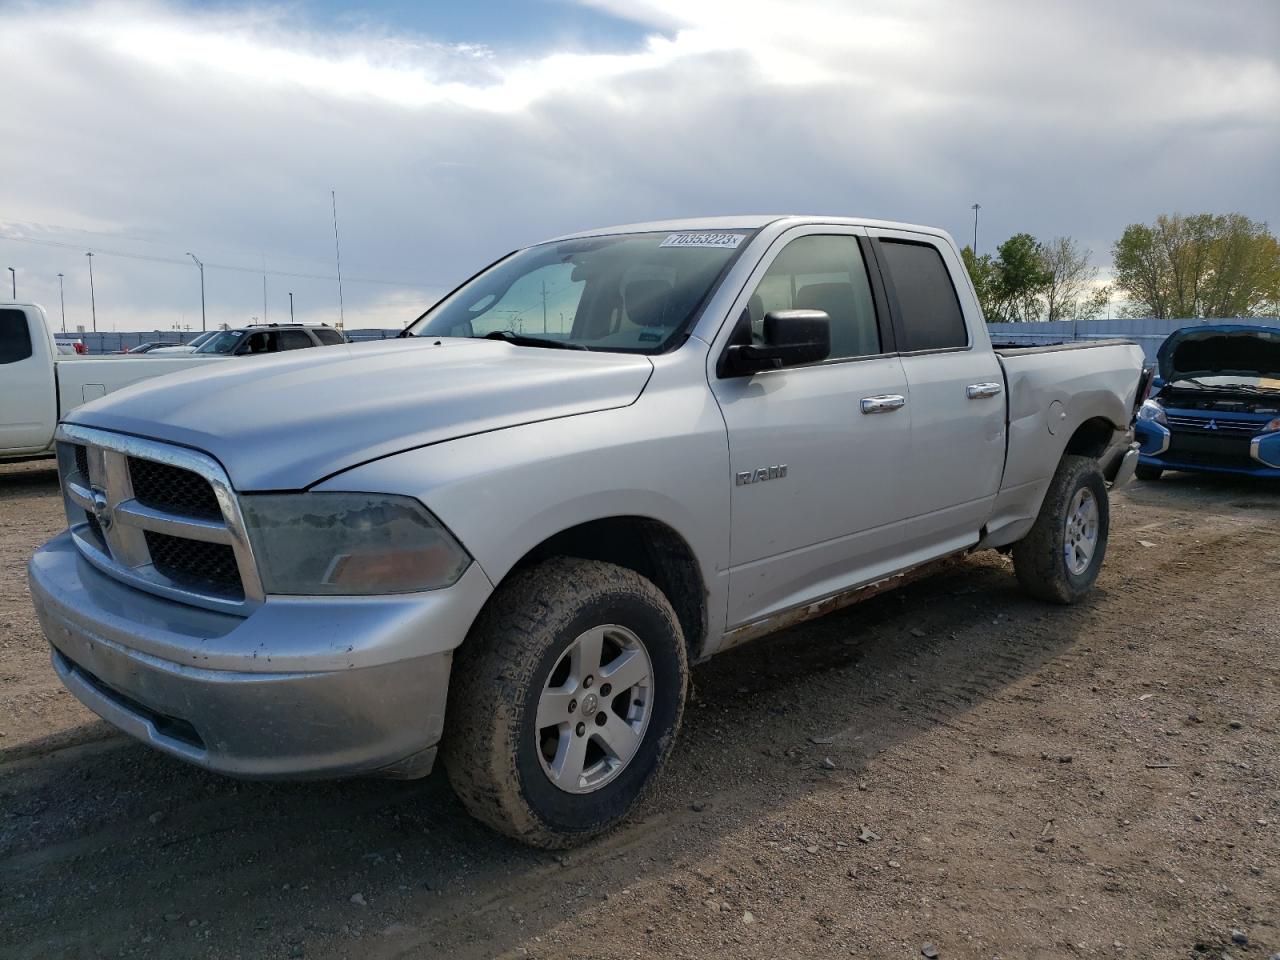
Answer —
1226 349
285 421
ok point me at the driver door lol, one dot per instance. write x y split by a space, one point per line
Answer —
817 451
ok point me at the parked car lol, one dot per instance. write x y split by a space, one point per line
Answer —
269 338
69 348
143 348
39 384
506 537
1218 406
188 347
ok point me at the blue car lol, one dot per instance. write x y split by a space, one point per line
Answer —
1217 409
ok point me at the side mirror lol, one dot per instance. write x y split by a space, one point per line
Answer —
791 337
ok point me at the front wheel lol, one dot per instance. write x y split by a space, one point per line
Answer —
565 701
1060 558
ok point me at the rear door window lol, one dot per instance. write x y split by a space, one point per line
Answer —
293 340
927 303
328 337
15 336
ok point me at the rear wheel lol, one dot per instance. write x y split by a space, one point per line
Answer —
565 701
1150 474
1060 558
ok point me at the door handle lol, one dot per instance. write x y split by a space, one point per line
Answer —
883 404
980 391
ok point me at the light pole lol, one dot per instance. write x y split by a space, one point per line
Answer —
291 306
199 263
93 301
63 300
14 277
976 208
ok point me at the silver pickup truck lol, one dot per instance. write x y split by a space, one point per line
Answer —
507 535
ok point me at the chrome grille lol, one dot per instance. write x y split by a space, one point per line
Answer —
159 517
1231 428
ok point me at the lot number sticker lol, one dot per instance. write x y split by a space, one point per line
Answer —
729 240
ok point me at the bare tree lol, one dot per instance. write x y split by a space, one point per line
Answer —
1068 293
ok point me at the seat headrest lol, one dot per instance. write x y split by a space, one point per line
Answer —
645 300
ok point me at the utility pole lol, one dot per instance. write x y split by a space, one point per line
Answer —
264 288
337 255
93 302
976 208
63 300
199 263
14 277
291 306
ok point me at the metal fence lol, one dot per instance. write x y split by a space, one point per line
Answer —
100 343
1148 331
118 342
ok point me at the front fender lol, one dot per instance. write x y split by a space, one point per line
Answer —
505 492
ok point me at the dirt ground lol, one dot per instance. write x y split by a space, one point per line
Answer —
1011 780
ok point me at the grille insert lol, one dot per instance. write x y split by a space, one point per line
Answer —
82 461
209 567
173 489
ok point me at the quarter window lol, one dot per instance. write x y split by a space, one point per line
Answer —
15 336
927 302
821 273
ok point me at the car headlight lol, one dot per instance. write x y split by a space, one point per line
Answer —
351 544
1150 410
1272 426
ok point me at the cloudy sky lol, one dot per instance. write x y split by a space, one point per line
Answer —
454 132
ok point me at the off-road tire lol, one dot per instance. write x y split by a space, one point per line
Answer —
490 746
1149 474
1039 558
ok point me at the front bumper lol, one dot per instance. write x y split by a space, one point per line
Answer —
1157 449
302 687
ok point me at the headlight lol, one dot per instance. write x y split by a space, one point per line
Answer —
1272 426
349 544
1150 410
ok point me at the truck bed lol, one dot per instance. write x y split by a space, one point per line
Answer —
1014 350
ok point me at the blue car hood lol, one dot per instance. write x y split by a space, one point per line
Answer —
1226 349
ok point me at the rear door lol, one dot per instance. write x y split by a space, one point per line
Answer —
28 400
815 472
956 389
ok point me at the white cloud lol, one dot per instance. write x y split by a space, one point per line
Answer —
167 129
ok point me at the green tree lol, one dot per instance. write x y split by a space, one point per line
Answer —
1020 279
1204 265
982 273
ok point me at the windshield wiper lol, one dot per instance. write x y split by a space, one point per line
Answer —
520 340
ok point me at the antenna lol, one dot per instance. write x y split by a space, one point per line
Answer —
337 255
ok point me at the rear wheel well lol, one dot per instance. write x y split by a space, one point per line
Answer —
651 549
1092 438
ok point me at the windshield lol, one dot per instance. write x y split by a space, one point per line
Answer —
223 342
634 293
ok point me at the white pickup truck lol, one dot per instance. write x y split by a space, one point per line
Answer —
601 459
39 384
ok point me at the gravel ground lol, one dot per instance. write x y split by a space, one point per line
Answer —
1006 779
